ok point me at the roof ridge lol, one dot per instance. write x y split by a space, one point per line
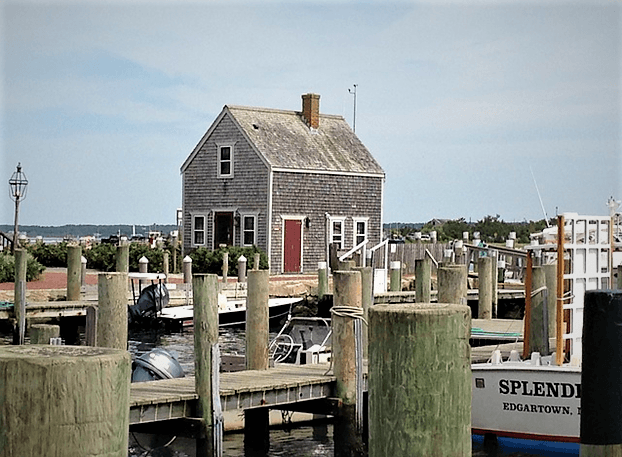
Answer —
277 110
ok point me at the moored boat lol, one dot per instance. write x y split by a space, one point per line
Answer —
540 397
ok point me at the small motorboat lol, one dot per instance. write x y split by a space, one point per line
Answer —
302 340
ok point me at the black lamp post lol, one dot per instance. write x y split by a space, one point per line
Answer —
18 184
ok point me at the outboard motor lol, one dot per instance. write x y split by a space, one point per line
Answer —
156 364
150 302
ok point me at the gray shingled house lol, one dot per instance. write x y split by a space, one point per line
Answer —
288 182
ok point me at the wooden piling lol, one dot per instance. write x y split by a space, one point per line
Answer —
112 310
538 325
419 380
257 320
123 258
367 298
165 265
347 293
74 271
143 267
452 284
62 401
82 271
242 269
187 269
205 299
225 267
550 279
601 375
423 280
322 280
347 360
485 278
395 276
19 306
257 260
41 333
90 330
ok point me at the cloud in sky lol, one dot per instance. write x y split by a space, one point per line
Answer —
102 102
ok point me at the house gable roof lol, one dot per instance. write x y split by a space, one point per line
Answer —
285 142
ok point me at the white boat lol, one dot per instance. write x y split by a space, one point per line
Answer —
540 398
230 312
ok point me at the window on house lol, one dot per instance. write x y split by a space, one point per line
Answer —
225 161
198 230
337 232
248 230
360 230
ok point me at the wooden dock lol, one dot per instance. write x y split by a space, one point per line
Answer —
284 386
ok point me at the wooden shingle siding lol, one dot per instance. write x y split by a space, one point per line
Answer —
246 191
315 194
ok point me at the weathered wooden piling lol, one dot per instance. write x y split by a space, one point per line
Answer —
601 375
143 267
90 328
64 401
74 272
82 271
347 294
550 275
225 267
241 269
41 333
423 280
367 298
419 380
257 260
452 284
395 276
123 258
165 265
484 272
347 360
322 280
538 316
187 269
21 265
257 320
205 299
112 310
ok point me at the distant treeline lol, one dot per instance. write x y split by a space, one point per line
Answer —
101 231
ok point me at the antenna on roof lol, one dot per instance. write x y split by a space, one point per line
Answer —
546 218
353 92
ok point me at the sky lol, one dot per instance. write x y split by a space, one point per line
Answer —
472 108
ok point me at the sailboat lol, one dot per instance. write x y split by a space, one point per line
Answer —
539 397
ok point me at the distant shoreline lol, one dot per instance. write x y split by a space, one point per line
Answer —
82 230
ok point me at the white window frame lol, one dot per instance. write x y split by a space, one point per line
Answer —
342 220
220 147
195 230
243 229
355 222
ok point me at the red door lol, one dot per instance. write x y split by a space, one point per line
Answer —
292 246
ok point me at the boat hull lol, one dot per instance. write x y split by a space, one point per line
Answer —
524 401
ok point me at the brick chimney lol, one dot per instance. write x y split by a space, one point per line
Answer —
311 110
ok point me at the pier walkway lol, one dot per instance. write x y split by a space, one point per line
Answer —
276 387
288 387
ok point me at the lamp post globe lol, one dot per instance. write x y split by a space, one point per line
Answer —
17 185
